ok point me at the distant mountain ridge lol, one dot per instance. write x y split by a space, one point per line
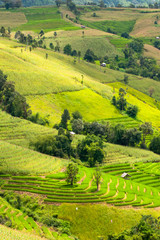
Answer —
108 3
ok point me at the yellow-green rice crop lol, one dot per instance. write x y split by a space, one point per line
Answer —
18 159
91 105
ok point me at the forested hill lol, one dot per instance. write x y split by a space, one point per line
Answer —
108 3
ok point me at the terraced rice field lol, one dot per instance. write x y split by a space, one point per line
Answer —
17 159
10 19
98 44
19 131
137 191
121 154
12 234
148 108
86 101
128 122
35 19
21 221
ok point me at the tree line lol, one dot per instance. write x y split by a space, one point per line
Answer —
90 149
12 101
15 104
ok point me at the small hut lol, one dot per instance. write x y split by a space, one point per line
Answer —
125 175
72 133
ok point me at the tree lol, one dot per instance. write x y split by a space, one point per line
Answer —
51 46
131 137
155 145
55 34
101 4
125 35
59 145
79 55
67 49
74 53
64 118
95 154
71 173
12 3
126 79
58 3
114 101
13 102
3 31
97 177
121 103
89 56
41 33
76 115
146 129
151 90
137 45
132 111
77 126
90 150
147 229
3 79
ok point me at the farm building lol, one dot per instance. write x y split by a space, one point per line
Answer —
125 175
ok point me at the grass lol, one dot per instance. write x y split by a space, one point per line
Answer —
119 42
82 100
142 22
33 74
145 26
112 188
118 26
152 52
121 154
19 131
37 18
12 234
11 19
110 14
16 159
98 44
116 219
148 110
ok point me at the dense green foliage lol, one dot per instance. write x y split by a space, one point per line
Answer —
12 101
116 27
12 3
59 145
90 150
90 56
71 173
147 229
155 145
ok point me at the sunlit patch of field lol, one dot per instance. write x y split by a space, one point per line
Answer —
91 105
34 74
121 15
145 26
11 19
47 18
144 84
100 45
19 131
116 219
18 159
78 33
152 52
12 234
147 111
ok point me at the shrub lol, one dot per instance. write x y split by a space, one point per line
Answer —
132 111
77 125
